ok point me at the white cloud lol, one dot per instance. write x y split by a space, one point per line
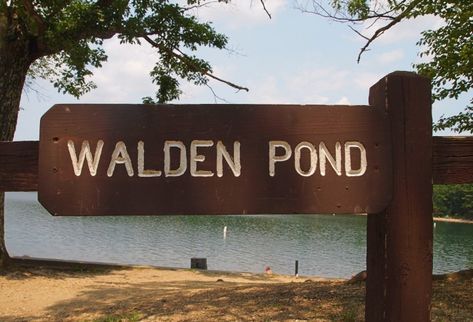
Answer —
313 86
240 14
125 76
319 79
306 86
407 30
267 91
193 94
343 101
365 80
271 92
391 56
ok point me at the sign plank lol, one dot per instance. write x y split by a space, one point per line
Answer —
213 159
452 163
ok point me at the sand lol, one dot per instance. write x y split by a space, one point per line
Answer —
107 293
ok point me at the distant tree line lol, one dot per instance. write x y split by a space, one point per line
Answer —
453 200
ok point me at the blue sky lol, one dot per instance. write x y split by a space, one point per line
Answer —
291 58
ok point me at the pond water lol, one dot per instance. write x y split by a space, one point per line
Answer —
324 245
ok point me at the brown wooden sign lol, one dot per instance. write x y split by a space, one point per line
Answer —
214 159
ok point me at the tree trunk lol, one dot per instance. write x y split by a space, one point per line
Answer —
14 64
4 257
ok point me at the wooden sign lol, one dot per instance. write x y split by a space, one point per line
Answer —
214 159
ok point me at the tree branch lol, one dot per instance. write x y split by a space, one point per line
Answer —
240 88
199 5
373 16
264 8
187 60
320 11
381 30
358 33
216 97
29 7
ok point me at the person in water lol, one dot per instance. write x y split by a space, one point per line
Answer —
268 270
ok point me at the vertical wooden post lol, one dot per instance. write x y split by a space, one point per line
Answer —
376 268
399 250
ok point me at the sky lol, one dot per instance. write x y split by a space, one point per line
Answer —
292 58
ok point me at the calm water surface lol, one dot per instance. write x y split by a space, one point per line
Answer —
330 246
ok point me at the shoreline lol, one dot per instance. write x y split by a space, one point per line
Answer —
27 262
453 220
440 219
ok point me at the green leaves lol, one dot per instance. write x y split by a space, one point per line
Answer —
71 41
462 122
447 50
453 200
69 70
358 8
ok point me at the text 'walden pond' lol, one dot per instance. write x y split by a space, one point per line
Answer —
344 158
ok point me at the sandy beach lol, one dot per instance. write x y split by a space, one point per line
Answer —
107 293
453 220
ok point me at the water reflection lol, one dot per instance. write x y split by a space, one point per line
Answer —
331 246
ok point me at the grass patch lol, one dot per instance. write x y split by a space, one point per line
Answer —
129 317
350 313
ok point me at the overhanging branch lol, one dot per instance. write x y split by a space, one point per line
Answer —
264 8
187 60
373 16
381 30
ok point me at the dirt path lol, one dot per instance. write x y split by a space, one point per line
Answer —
149 294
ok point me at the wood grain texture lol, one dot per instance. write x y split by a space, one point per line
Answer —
452 160
19 166
376 272
404 293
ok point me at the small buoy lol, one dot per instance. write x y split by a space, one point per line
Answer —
225 232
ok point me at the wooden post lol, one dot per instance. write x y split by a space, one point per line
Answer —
399 250
199 263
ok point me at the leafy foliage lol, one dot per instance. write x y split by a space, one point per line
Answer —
448 49
67 38
453 200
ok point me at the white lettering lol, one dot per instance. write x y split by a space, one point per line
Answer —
234 164
141 163
324 154
168 172
199 158
120 156
363 162
273 158
85 153
313 159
